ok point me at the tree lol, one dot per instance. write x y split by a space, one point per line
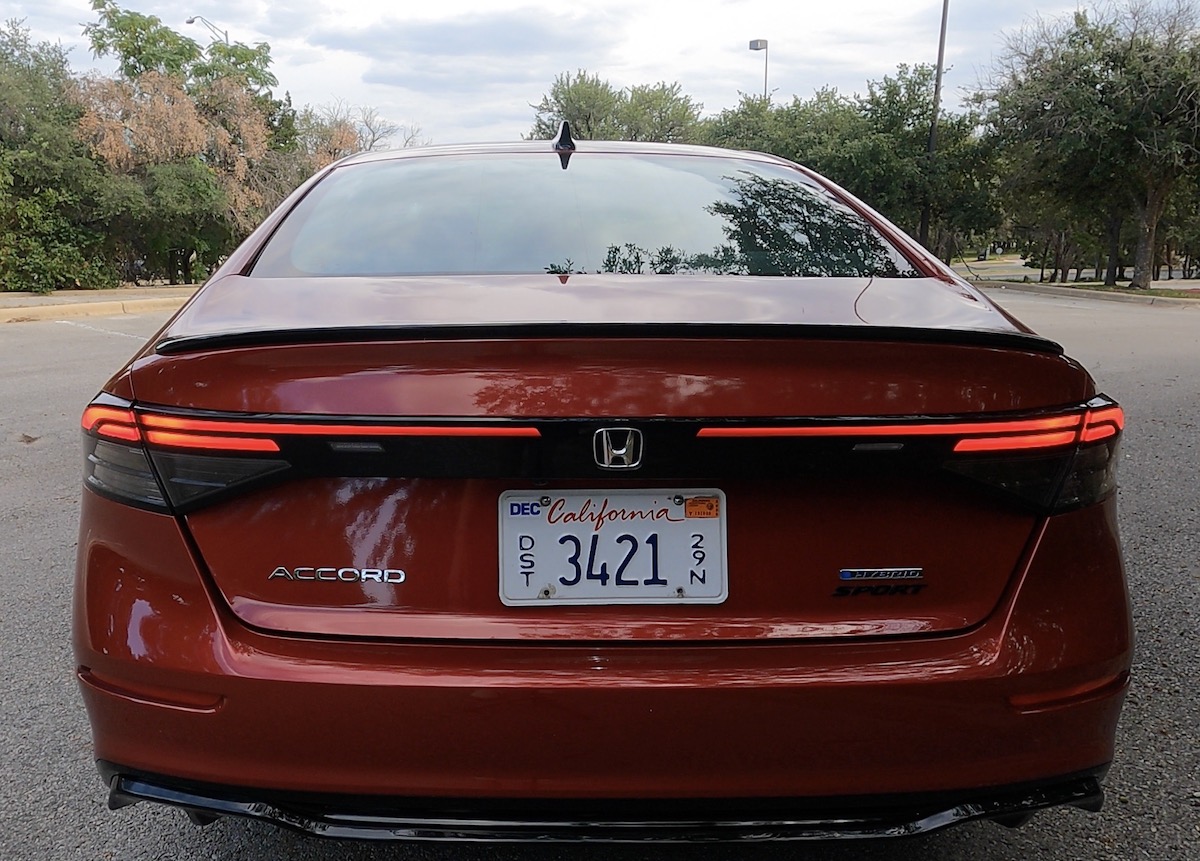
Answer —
1106 106
140 43
186 124
876 147
590 104
180 147
51 218
658 112
1180 230
596 110
158 171
752 125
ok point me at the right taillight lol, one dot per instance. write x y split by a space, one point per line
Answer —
1054 461
1051 469
1091 477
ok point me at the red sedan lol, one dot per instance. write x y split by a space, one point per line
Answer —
598 491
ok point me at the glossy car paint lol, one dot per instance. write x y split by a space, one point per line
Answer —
1010 668
175 685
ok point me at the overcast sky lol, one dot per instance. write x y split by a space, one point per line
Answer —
468 70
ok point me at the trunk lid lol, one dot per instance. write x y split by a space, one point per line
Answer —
820 534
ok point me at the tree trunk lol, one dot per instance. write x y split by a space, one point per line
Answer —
1148 216
1114 249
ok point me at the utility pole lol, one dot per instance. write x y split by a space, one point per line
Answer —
937 107
761 45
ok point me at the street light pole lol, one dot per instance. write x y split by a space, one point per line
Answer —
933 124
212 28
761 45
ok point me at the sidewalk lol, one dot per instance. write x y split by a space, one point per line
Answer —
997 289
23 307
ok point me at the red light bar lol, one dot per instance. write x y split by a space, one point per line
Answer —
111 422
979 436
1043 425
1013 442
1102 424
211 426
210 443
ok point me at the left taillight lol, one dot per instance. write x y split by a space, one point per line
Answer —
116 464
142 466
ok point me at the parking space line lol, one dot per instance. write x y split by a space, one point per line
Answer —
98 329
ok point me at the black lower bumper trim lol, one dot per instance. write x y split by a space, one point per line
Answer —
606 820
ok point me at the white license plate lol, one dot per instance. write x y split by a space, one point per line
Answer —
612 547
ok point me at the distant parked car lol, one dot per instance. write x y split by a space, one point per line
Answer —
606 490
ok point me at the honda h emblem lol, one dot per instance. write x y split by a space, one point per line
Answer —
617 448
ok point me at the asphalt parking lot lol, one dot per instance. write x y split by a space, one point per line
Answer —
52 804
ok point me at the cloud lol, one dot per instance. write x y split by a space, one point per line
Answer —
469 70
506 35
293 18
500 60
455 78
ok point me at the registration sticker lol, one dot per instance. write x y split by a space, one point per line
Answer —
702 506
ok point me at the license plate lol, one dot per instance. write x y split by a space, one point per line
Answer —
612 547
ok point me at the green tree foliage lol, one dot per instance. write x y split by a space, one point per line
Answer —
596 110
752 125
589 103
140 43
1180 227
189 208
248 64
51 228
1102 111
876 147
158 171
201 136
658 112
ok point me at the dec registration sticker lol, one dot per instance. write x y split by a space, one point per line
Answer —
612 547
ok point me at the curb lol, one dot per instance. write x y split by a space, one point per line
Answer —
1084 293
89 309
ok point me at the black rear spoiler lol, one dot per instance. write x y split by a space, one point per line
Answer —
234 339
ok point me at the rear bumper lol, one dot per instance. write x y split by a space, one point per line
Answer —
176 686
605 820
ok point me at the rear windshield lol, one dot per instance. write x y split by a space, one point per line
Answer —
523 213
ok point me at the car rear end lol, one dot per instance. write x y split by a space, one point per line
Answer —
620 549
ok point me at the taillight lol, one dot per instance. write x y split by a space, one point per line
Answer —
1053 474
1055 462
121 471
166 470
1092 476
115 462
193 478
172 460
